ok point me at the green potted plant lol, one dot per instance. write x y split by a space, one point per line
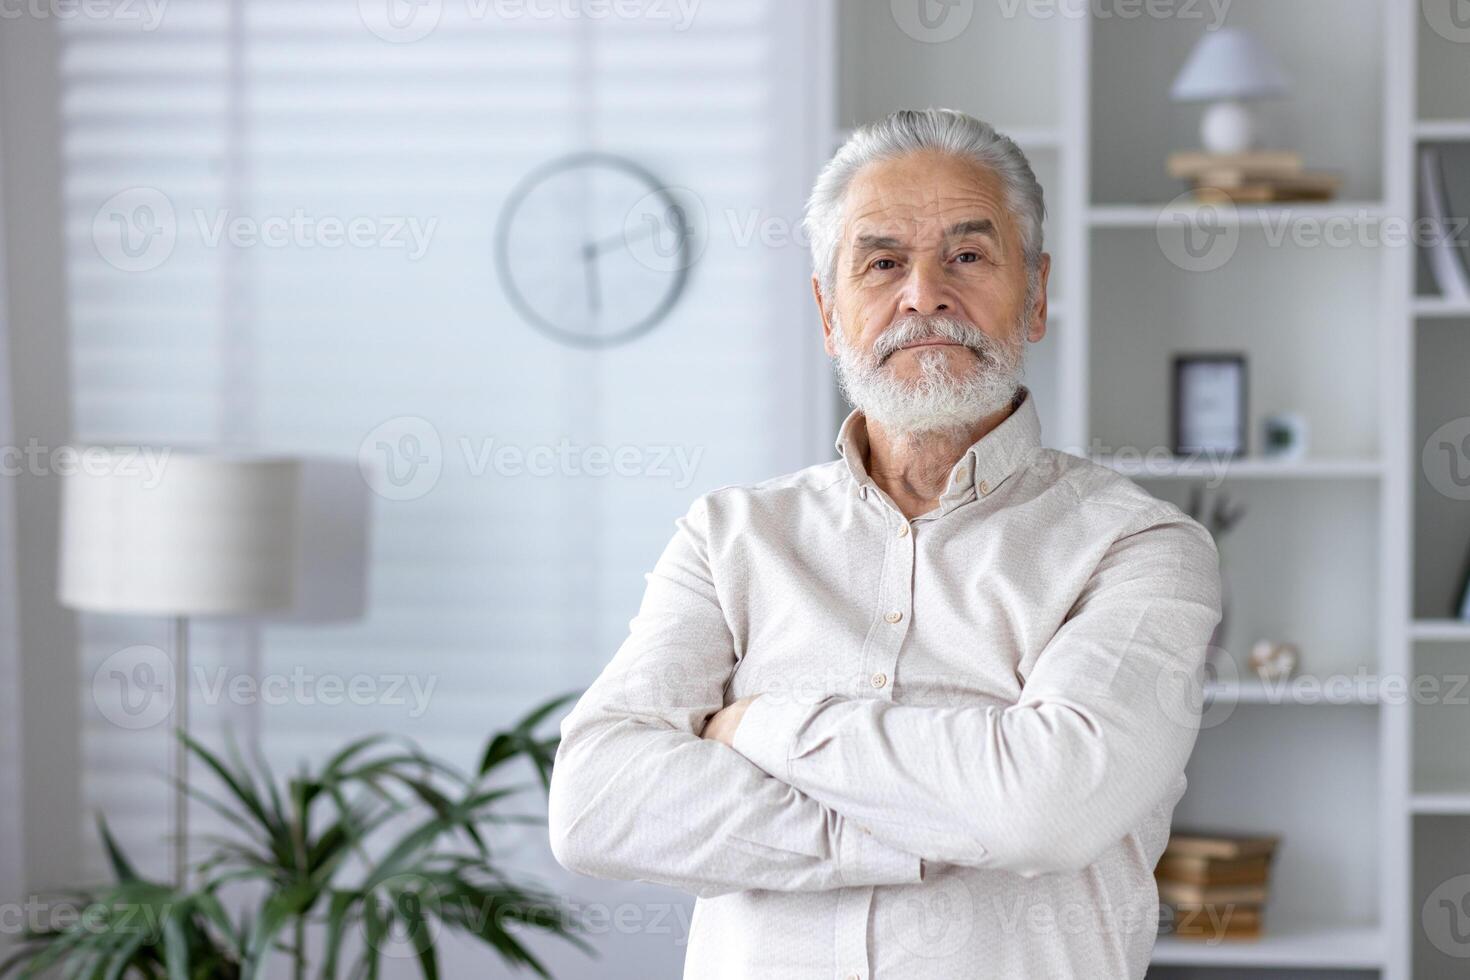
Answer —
381 839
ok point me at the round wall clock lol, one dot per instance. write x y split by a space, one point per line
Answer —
593 249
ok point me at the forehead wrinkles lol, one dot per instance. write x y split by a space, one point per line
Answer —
919 212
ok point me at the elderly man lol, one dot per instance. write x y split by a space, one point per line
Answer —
916 712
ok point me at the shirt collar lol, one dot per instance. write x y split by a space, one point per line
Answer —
983 467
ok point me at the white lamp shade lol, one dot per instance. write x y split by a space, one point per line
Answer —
1228 63
200 534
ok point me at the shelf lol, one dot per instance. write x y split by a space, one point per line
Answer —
1440 803
1305 690
1320 947
1444 130
1440 630
1247 468
1433 306
1151 215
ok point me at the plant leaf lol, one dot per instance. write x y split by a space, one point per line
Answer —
120 864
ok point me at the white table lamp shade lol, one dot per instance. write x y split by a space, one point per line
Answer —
1228 63
203 535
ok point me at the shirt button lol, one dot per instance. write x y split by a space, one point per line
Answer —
894 616
880 679
903 530
984 486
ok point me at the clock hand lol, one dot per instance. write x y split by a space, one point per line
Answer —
594 290
592 249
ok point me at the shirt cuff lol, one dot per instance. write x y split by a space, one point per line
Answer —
767 733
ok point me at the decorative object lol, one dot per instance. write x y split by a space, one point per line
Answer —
1209 409
1442 252
1219 517
382 841
1272 661
593 250
206 535
1228 68
1257 177
1284 435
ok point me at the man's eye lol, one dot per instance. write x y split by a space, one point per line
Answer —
969 257
885 264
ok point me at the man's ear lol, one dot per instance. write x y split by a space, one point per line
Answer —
1036 319
825 315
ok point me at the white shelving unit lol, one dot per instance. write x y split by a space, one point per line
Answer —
1347 552
1342 947
1260 215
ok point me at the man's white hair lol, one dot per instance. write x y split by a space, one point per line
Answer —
909 131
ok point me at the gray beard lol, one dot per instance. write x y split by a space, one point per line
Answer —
937 401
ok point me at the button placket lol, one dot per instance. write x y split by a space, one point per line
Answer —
898 600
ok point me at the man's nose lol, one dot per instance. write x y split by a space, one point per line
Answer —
925 290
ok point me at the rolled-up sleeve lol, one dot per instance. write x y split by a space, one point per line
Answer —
1098 738
636 793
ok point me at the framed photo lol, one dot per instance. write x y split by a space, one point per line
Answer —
1209 404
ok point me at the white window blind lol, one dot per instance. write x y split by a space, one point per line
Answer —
497 587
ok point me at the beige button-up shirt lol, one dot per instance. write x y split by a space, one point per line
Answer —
971 730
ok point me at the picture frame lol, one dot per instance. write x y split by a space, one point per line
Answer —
1210 404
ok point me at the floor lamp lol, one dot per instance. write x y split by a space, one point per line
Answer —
195 534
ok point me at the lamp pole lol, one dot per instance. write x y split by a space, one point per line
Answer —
181 752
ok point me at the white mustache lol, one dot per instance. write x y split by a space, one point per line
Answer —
917 327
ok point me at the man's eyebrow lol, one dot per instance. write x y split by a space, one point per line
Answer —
867 243
975 226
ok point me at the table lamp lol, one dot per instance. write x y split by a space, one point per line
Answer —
206 534
1227 68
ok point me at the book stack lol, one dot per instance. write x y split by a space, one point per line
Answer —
1257 177
1215 885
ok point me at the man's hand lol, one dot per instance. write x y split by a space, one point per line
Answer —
722 724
